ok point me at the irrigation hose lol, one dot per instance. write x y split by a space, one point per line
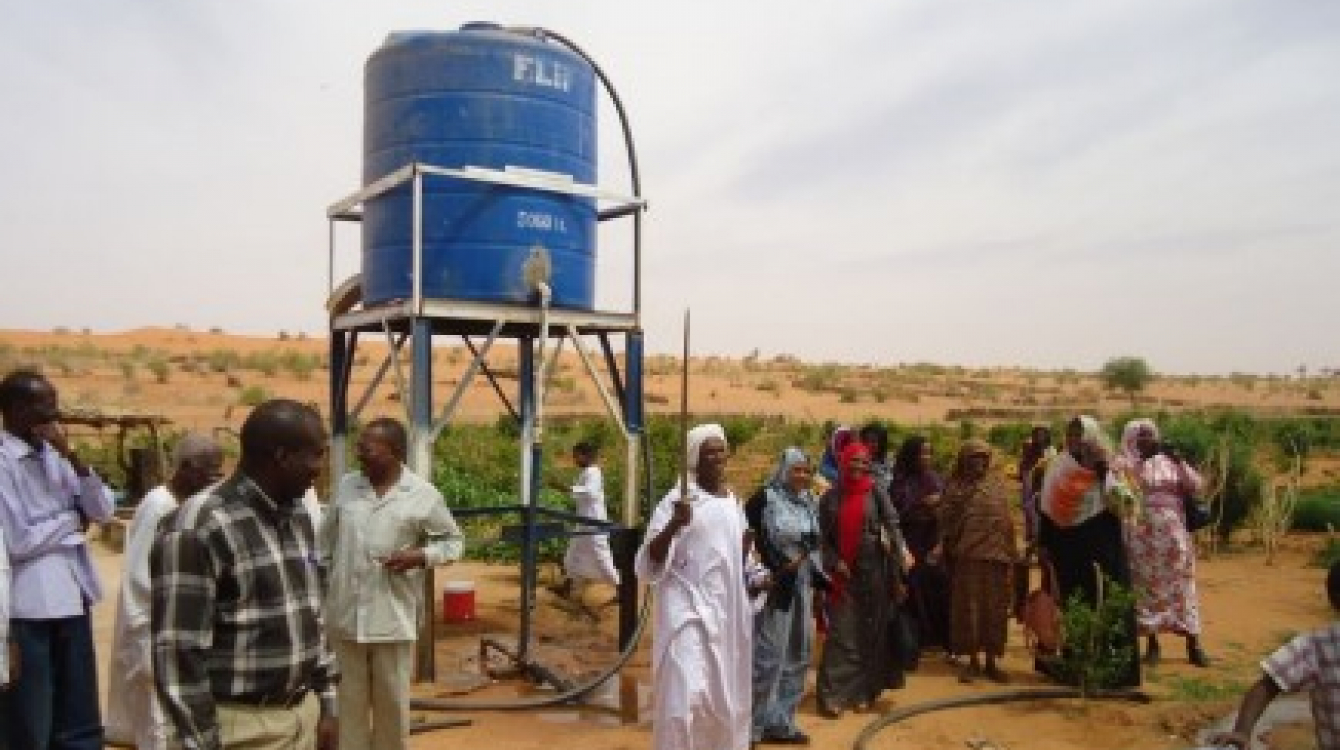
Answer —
986 699
568 696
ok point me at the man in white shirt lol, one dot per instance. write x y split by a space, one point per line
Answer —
702 642
383 527
134 714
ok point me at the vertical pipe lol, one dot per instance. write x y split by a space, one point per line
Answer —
630 536
416 240
633 418
530 462
339 402
421 463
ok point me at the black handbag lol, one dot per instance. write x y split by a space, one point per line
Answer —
1196 512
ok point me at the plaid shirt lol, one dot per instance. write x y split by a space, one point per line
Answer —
1312 662
236 608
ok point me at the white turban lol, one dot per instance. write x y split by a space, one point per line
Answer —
699 435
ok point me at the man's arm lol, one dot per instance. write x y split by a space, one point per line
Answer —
446 542
181 623
27 541
1254 704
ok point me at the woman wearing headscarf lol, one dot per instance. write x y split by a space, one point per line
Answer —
978 544
860 544
841 437
1080 531
1163 558
788 544
915 490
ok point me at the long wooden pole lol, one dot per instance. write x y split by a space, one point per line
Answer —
684 417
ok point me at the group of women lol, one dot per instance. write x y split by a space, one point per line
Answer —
891 541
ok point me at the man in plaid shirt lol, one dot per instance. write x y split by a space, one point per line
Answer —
1309 662
240 658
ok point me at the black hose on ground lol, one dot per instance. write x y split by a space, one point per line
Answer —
568 696
987 699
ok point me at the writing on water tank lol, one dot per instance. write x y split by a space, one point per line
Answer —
541 221
541 72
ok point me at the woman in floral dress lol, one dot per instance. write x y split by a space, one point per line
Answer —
1163 558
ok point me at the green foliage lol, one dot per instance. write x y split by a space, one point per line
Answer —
1197 690
253 395
1318 509
160 370
1128 374
1097 648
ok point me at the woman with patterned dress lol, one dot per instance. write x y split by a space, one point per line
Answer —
1163 558
979 548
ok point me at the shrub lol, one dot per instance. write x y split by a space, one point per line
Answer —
253 395
160 370
1318 509
1097 647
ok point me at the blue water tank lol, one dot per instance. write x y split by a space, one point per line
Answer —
479 97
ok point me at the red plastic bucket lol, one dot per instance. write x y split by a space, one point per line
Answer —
458 601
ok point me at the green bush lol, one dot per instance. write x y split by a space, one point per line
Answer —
1097 648
1317 510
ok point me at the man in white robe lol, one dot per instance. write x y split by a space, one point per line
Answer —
588 557
134 715
693 561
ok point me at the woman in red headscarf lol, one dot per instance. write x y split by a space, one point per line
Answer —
862 555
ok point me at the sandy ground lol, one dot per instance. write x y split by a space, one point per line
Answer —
1248 608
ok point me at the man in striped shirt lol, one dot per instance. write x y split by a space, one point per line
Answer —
240 656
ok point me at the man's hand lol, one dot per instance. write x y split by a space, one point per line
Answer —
407 559
55 436
327 734
683 515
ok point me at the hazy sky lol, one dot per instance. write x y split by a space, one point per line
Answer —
1028 182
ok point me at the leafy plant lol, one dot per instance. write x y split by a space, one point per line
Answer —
1096 647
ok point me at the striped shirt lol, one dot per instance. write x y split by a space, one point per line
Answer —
236 613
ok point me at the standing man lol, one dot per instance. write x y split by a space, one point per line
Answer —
693 560
384 527
588 557
47 497
239 649
134 714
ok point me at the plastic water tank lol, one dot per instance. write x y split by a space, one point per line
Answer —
481 97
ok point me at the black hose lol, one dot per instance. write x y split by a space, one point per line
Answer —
987 699
567 696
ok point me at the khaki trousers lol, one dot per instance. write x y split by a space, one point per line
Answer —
374 694
244 727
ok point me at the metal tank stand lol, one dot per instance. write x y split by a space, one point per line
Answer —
540 333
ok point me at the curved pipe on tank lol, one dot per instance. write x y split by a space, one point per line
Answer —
634 173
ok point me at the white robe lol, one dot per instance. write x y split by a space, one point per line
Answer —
589 557
134 714
701 645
